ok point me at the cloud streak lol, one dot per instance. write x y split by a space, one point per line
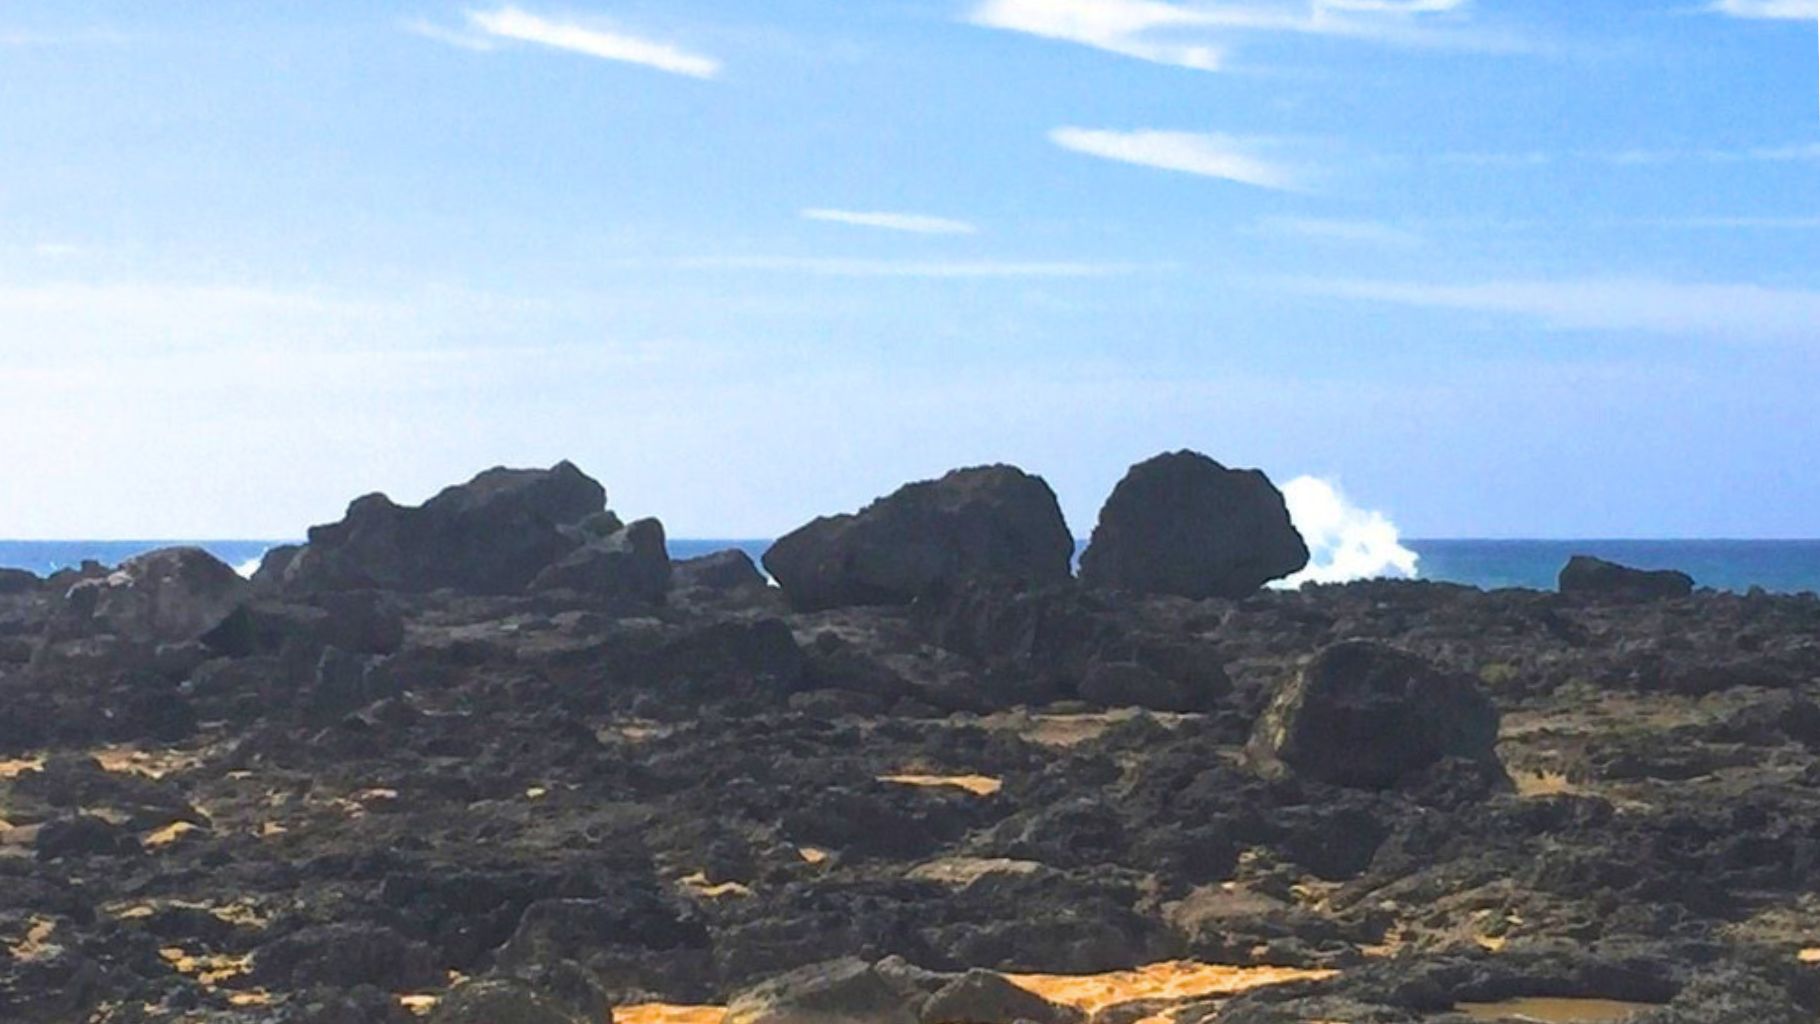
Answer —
1647 305
486 28
1353 232
1766 10
1197 34
1207 155
834 267
910 223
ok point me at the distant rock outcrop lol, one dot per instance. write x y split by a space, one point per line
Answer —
1586 576
1365 715
631 562
1182 524
990 522
18 581
171 595
499 533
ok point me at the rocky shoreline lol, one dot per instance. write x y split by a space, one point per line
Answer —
496 759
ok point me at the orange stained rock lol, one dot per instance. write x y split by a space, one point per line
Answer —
1554 1011
668 1013
419 1004
1809 956
1174 979
978 785
811 854
209 970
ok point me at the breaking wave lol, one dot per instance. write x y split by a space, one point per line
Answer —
1345 542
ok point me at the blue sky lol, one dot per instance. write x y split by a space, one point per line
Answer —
1501 269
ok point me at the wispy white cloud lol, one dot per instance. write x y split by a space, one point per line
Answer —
910 268
1357 232
485 28
1198 34
912 223
1649 305
1766 10
1208 155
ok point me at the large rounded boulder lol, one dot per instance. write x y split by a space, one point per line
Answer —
171 595
494 534
1182 524
1366 716
990 522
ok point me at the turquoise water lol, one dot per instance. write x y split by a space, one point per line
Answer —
1785 566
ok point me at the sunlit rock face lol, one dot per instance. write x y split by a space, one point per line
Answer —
1182 524
984 523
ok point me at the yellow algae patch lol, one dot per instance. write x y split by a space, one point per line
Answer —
208 969
1809 956
978 785
268 829
168 834
812 854
252 997
536 793
420 1004
16 768
668 1013
964 871
1531 784
153 764
1170 980
1554 1011
698 884
37 941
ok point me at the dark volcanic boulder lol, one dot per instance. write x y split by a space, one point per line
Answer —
506 1001
1586 576
984 997
492 535
988 522
1364 715
18 581
633 562
840 992
1185 525
167 596
731 569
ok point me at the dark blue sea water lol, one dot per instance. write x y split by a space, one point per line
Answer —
1785 566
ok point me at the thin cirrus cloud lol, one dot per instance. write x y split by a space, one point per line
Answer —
1208 155
1767 10
1347 232
1744 312
909 223
934 270
1199 35
485 29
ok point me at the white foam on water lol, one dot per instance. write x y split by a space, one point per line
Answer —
247 568
1345 542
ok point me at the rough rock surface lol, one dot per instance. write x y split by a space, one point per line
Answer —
848 991
632 562
336 798
1183 524
1589 577
170 595
1365 715
492 535
990 522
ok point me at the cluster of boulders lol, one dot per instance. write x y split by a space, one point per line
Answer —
1179 524
981 558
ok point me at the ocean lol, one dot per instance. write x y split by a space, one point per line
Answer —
1786 566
